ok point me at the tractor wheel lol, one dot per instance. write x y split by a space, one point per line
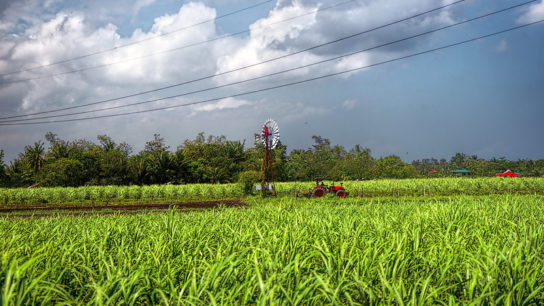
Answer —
341 194
318 193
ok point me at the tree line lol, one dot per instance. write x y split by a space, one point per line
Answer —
215 159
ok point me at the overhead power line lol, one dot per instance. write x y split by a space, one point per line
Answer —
166 50
270 74
283 85
138 41
239 68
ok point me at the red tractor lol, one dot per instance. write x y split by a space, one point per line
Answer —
320 190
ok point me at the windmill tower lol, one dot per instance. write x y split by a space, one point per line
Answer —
270 135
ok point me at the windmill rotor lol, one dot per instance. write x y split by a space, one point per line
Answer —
270 134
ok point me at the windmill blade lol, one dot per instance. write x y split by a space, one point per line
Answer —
270 133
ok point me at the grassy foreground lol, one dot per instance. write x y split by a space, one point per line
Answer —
354 251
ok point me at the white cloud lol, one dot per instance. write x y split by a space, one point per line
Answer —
69 34
36 33
227 103
270 39
534 13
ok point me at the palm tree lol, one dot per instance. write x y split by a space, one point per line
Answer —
34 156
58 150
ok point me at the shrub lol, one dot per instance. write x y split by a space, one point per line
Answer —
248 179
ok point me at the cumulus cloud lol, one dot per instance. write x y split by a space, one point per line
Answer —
42 32
68 35
534 13
270 39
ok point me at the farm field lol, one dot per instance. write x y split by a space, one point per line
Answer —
31 211
92 195
481 249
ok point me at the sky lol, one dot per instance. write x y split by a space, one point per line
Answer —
483 98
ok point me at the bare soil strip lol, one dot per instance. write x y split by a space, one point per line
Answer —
125 207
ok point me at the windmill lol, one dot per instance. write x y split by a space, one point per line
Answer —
270 135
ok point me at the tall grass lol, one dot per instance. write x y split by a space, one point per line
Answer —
119 194
203 192
483 250
434 186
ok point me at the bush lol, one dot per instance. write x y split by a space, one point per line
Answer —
248 179
63 172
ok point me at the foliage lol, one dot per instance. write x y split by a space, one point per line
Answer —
215 159
467 250
63 172
249 179
3 176
393 167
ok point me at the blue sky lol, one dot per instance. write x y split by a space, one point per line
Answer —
483 98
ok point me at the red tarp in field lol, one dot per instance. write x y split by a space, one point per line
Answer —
507 173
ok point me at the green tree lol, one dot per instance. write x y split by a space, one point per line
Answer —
155 163
112 162
160 167
214 160
63 172
539 168
393 167
31 162
3 175
459 160
297 166
137 169
17 174
156 145
355 164
34 156
58 148
321 160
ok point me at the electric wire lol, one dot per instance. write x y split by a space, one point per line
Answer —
239 68
139 41
286 84
274 73
2 82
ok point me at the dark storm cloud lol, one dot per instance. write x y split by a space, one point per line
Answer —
4 4
359 16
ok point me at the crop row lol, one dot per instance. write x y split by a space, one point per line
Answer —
420 187
202 192
107 194
481 250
